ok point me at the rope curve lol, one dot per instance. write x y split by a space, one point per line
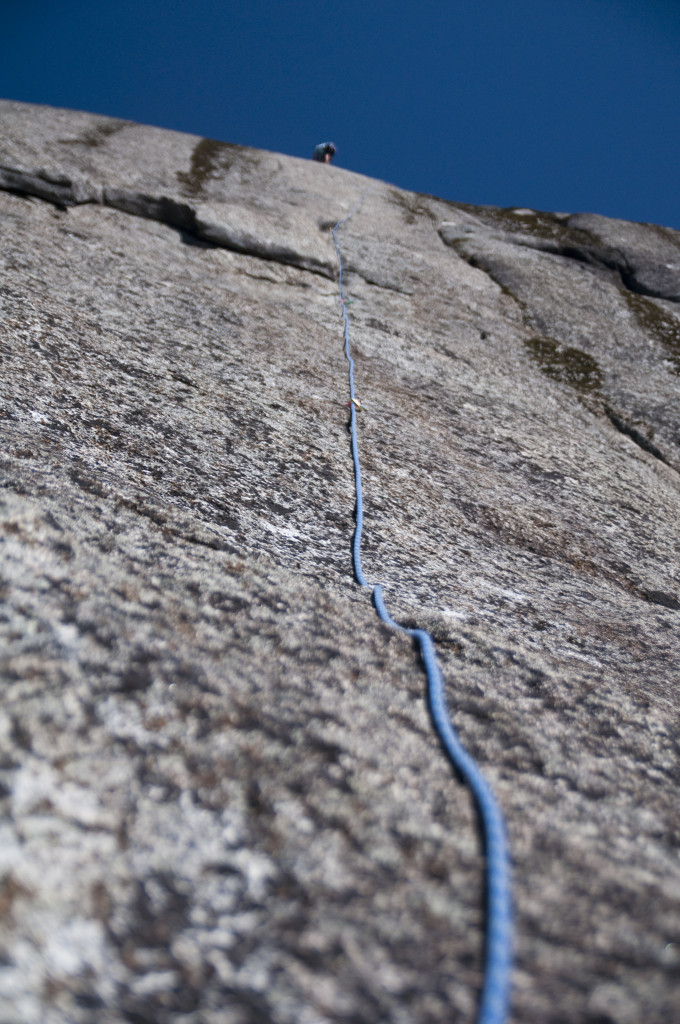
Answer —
493 1006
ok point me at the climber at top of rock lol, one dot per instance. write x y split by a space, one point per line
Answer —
324 152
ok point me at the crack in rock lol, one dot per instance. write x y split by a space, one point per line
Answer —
628 430
650 268
64 191
561 362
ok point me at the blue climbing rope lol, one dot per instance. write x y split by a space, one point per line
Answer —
493 1007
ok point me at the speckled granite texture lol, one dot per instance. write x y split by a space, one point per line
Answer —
222 799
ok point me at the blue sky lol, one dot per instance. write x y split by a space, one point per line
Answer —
565 105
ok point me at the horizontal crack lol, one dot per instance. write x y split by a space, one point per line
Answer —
592 256
662 281
64 192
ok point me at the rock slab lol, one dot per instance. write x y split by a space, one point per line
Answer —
222 799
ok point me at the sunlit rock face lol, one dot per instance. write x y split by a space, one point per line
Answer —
222 797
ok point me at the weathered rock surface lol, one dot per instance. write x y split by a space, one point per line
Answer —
222 798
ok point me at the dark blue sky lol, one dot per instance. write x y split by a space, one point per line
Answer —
565 105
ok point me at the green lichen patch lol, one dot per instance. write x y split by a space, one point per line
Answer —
527 222
659 322
566 364
539 224
98 133
208 160
412 204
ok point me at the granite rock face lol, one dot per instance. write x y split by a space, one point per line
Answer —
222 798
